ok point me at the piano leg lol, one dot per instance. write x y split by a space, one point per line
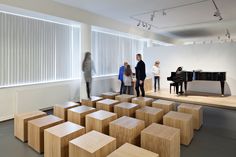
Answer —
185 86
222 84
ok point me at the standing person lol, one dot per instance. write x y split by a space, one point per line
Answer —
140 75
156 73
121 75
127 80
87 69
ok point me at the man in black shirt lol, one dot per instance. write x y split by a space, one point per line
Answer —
140 75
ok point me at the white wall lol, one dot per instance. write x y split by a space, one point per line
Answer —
208 57
34 97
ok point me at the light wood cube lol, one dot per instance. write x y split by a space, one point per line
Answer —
36 131
129 150
106 104
150 115
56 139
196 111
99 121
126 109
124 98
109 95
164 104
77 114
91 102
60 110
126 129
161 139
92 144
182 121
143 101
21 123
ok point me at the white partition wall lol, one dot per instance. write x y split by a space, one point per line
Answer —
207 57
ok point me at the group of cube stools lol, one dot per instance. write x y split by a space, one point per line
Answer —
111 125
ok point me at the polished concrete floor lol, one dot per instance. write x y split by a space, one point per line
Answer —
217 138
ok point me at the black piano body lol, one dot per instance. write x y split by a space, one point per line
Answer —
187 76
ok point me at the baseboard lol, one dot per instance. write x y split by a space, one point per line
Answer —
6 118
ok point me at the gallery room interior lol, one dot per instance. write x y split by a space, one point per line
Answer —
108 78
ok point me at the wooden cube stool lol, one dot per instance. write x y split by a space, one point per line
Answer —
161 139
56 139
106 104
126 109
182 121
91 102
126 129
129 150
150 115
143 101
124 98
196 111
99 121
164 104
109 95
77 114
92 144
36 131
21 123
60 110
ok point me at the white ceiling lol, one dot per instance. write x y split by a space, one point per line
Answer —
190 23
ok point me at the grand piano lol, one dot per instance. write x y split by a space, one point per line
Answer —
183 77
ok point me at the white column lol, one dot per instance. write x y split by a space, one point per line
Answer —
85 47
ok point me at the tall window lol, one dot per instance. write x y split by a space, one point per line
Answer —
110 50
35 51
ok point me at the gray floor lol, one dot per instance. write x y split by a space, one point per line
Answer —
216 138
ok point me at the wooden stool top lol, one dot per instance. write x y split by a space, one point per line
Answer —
190 106
110 94
125 96
101 115
143 99
65 129
30 115
128 122
44 121
129 150
67 105
179 116
127 105
82 109
93 99
108 101
162 131
163 102
92 141
150 110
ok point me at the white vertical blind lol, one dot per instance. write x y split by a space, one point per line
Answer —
109 51
36 51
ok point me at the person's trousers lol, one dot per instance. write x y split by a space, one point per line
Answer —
141 86
88 88
156 81
121 87
125 88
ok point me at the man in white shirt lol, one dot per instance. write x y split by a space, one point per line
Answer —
156 73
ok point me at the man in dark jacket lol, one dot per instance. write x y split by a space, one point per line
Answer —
140 75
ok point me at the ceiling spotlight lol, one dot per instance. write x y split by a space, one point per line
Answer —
217 12
143 24
139 23
227 34
163 13
152 16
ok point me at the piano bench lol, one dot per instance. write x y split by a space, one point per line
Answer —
173 84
